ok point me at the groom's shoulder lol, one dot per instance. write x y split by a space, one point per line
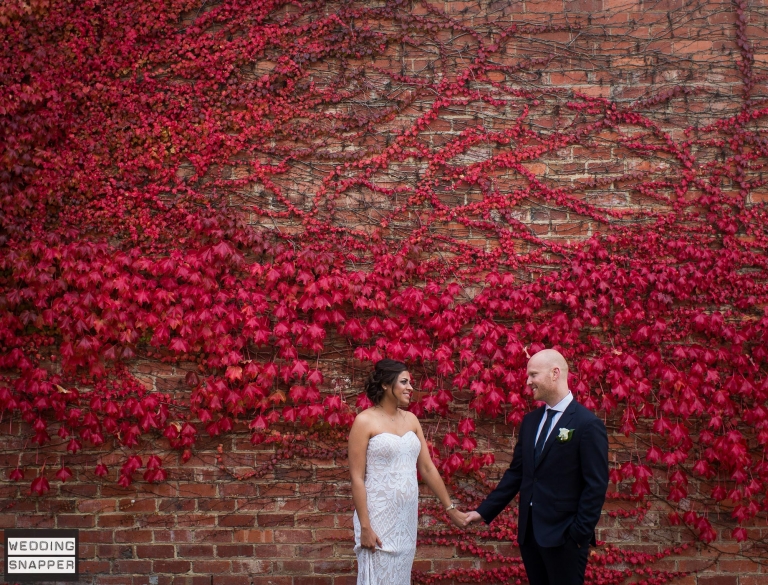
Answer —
583 412
538 410
536 413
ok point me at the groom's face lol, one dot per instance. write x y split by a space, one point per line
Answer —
541 380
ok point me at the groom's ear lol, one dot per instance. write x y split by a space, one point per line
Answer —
555 373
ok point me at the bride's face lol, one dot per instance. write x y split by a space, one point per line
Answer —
401 390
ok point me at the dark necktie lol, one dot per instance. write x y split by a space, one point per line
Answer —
543 435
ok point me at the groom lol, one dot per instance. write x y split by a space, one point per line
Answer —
560 468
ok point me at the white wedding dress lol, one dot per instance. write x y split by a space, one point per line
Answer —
393 507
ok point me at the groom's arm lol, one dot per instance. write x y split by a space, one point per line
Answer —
507 488
594 471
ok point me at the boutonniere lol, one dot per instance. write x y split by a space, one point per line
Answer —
565 435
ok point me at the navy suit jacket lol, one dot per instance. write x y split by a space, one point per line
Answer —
567 487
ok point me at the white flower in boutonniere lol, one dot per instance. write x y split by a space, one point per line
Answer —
565 435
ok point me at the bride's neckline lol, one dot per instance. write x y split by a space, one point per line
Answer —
393 434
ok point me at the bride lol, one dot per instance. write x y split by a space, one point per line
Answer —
386 448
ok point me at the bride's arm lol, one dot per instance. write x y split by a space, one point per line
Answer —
431 477
357 449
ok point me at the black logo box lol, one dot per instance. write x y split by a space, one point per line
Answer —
42 533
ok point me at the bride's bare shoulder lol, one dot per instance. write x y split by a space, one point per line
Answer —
410 417
364 418
413 420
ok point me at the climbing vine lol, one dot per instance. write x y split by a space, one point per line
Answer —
270 196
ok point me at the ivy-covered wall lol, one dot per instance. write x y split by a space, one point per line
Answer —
217 215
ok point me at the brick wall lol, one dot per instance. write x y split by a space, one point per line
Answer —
290 522
292 525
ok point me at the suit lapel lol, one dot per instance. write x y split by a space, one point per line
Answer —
531 438
563 423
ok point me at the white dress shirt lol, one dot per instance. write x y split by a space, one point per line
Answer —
560 408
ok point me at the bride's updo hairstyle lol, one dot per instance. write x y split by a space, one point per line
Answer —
384 372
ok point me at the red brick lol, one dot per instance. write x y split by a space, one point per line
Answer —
234 550
216 505
173 535
198 490
239 520
335 566
315 551
752 579
194 550
423 565
211 567
268 520
81 490
239 490
155 551
739 566
718 580
86 551
55 506
294 567
156 521
232 580
35 521
7 521
293 536
315 520
93 567
175 505
196 520
131 566
435 552
134 505
338 534
171 566
192 580
75 521
255 536
91 506
449 564
115 520
113 551
252 566
133 536
334 504
294 505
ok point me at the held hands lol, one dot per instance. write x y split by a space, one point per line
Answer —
368 539
463 519
470 517
458 518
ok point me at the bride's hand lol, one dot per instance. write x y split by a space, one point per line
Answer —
471 516
368 539
458 518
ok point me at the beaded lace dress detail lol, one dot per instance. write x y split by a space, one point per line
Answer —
393 508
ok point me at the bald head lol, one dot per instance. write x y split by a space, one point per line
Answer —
551 358
548 376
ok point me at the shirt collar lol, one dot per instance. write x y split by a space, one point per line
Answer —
563 404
